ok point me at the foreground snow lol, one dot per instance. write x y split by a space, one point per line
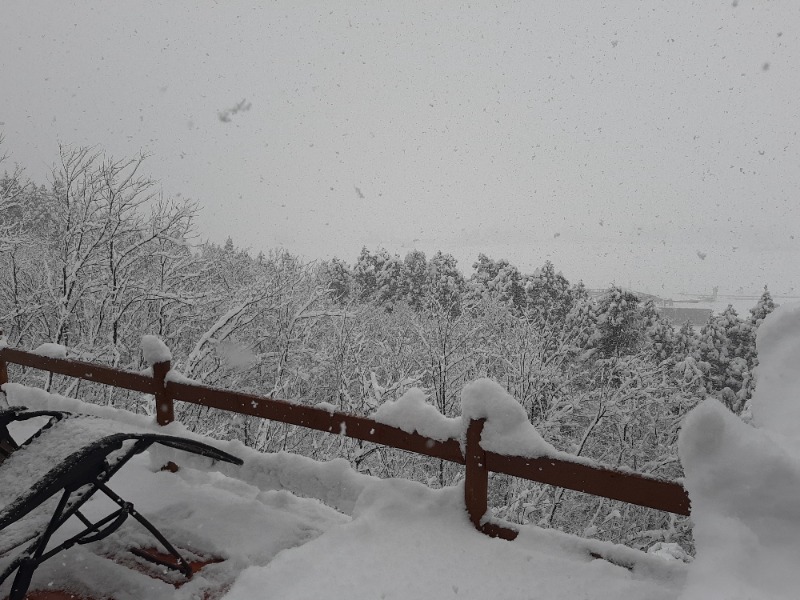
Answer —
292 528
744 481
407 541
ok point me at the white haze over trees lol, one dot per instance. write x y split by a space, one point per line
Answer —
652 145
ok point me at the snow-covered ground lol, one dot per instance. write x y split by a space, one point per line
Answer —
290 528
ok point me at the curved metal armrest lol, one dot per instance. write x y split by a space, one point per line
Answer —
21 413
192 446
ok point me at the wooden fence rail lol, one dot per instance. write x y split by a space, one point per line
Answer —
630 487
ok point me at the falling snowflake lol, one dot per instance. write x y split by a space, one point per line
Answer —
225 115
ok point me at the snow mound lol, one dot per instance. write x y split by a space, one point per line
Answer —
776 401
412 413
669 551
744 481
507 429
407 541
744 488
51 350
326 406
154 350
389 538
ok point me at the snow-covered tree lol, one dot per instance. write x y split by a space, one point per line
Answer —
548 294
763 307
498 280
726 352
664 341
445 287
379 277
337 278
620 323
414 279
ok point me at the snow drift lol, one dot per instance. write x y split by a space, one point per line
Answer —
744 481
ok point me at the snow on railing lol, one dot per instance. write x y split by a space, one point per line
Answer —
549 467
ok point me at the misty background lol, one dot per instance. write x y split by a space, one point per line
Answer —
648 145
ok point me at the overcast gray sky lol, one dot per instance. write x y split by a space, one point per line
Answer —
651 144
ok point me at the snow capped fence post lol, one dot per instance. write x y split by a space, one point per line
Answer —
476 483
3 364
158 355
165 410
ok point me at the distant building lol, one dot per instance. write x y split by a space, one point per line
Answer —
676 311
680 314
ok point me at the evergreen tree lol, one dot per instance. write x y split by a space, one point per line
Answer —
379 277
444 284
498 280
686 340
758 313
663 340
726 353
337 278
763 307
713 353
415 274
620 323
389 278
365 275
548 296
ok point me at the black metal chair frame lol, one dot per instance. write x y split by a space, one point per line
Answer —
77 478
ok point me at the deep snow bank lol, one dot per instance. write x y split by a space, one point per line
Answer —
408 542
744 481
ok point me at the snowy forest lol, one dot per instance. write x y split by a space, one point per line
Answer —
96 257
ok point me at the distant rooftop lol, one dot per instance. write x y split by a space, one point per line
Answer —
680 314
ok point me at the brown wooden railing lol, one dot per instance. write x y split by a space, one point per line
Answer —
628 487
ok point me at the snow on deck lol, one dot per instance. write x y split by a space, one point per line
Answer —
407 541
289 527
292 528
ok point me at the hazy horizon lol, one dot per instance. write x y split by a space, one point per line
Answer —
649 146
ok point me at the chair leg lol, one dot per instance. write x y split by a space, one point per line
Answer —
22 580
183 564
27 566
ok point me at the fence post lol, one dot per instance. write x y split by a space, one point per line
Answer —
3 372
476 484
165 411
3 365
